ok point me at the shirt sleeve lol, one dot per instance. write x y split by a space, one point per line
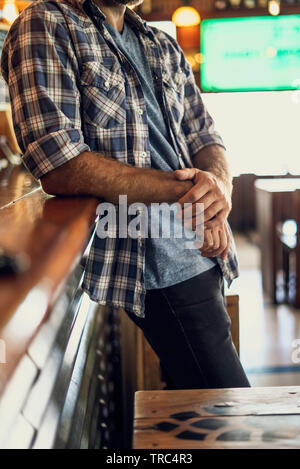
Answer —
198 125
39 64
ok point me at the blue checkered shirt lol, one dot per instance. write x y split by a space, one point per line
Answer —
73 91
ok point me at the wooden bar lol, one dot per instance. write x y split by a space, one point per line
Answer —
58 343
51 233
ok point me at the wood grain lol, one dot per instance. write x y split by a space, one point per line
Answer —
218 418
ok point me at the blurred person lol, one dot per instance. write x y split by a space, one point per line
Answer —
105 105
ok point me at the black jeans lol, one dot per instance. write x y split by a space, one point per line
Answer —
188 327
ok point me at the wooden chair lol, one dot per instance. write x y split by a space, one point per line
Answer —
290 250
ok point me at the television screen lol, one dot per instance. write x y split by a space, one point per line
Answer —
250 53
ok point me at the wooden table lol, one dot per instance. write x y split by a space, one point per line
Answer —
273 205
218 419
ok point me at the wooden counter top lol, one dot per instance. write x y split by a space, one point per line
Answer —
15 183
52 233
240 418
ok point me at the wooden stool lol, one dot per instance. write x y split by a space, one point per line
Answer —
290 246
254 418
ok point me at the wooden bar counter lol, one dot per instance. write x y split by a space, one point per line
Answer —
54 345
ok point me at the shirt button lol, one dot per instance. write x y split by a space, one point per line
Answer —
140 111
144 154
181 162
106 84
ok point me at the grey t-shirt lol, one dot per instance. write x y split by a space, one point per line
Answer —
168 261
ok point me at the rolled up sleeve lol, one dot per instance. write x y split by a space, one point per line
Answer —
40 66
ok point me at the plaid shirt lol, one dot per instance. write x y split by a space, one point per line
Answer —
73 91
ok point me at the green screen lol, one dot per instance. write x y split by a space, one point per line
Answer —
254 53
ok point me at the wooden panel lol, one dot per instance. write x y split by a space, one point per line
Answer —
15 396
131 360
43 388
242 216
51 417
218 418
274 200
151 369
21 435
232 306
290 249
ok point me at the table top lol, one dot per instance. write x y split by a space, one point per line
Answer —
50 233
278 184
218 418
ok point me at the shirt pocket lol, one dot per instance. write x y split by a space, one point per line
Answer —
174 89
103 95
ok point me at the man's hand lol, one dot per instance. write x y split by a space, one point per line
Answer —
209 191
216 242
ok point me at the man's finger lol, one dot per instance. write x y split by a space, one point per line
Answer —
191 211
208 199
185 174
195 194
217 221
216 237
221 247
225 253
215 209
208 240
224 246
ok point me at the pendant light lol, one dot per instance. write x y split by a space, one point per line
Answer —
274 7
186 16
10 11
187 20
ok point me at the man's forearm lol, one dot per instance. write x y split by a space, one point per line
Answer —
94 174
213 158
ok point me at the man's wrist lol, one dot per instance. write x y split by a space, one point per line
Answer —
224 181
181 188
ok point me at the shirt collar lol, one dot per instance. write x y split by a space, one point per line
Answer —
133 18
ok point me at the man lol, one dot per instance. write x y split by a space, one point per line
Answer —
105 105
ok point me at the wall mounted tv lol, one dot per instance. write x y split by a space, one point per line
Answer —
251 53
